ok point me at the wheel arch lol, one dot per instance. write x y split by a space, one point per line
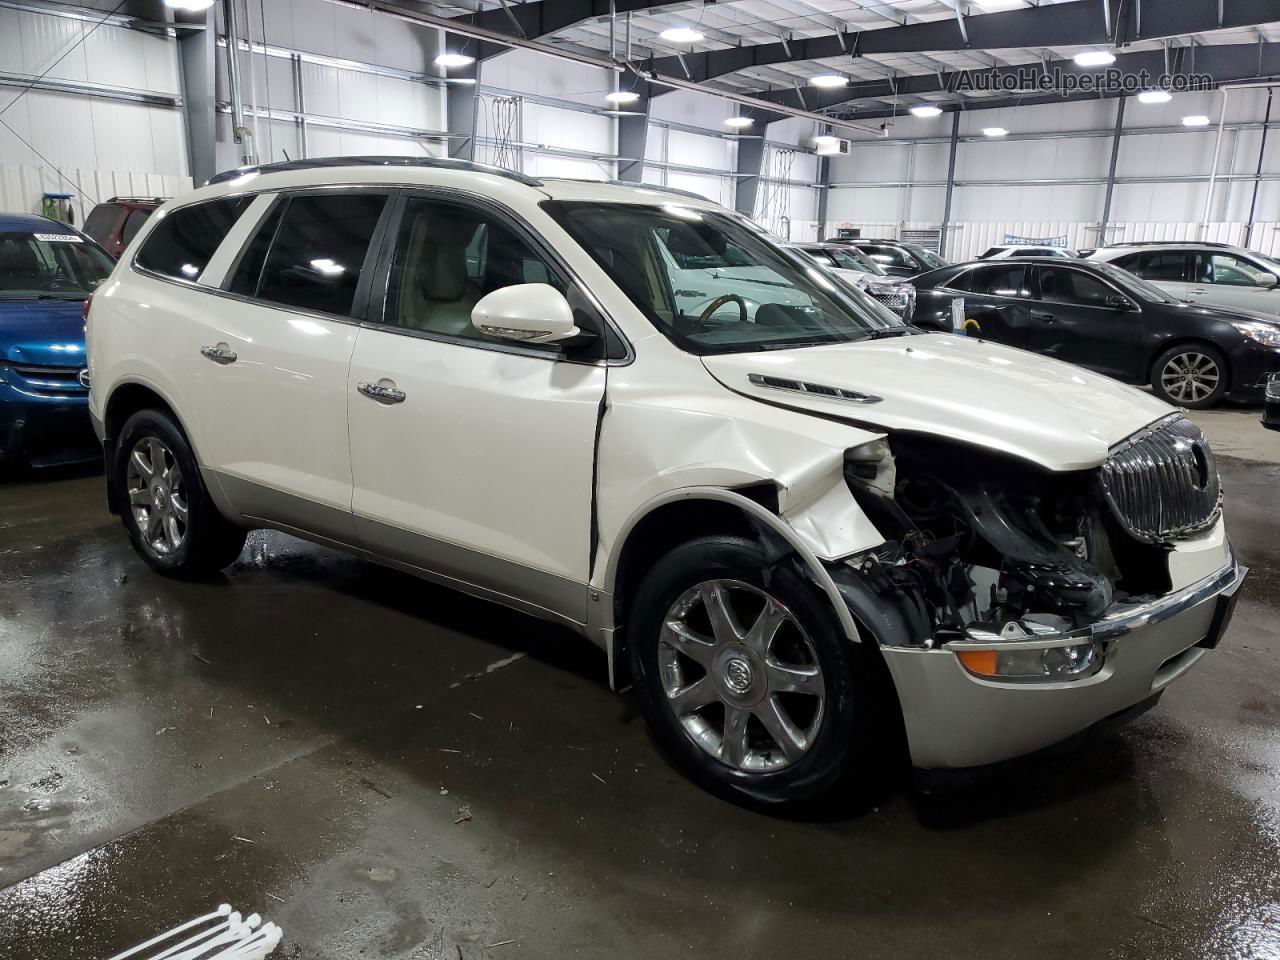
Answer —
125 399
677 516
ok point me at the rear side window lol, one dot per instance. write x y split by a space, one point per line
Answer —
1161 266
319 250
102 222
136 219
183 243
1002 281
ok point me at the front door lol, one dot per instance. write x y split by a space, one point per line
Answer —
1080 319
473 457
1232 281
270 361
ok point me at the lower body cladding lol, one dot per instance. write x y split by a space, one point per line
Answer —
1015 607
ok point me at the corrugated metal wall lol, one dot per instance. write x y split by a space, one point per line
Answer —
100 146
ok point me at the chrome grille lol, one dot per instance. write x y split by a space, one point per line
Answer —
44 380
1162 483
900 300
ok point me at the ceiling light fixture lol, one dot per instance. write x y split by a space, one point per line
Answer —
926 110
994 132
738 123
448 60
825 139
1155 96
829 81
681 35
622 96
1195 120
189 6
1094 58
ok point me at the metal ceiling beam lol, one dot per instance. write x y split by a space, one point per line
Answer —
1226 63
1076 23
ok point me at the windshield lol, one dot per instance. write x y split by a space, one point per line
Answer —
715 284
928 257
1144 289
49 266
851 258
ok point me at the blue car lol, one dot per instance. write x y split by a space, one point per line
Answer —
47 271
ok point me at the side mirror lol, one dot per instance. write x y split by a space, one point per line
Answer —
1267 280
1116 302
526 313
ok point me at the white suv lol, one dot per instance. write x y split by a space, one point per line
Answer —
797 527
1209 273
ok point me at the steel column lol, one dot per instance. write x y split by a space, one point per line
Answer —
750 159
1213 171
1111 171
951 185
1257 181
197 56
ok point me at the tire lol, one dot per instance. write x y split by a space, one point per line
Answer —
756 771
172 522
1191 375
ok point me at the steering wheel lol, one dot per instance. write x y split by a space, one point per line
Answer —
719 302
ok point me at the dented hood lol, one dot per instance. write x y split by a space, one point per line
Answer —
1051 413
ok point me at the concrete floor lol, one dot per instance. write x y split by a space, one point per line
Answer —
389 770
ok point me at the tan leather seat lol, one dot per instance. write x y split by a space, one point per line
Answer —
436 294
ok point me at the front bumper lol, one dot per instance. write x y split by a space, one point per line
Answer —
955 719
1252 365
45 431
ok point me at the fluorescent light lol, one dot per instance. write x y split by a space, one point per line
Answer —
190 6
994 131
737 122
1094 58
828 81
926 110
1155 96
825 139
454 60
1195 120
622 96
680 35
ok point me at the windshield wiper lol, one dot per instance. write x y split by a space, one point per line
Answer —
881 333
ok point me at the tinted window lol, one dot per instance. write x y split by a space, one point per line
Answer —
131 226
1223 268
184 241
1072 286
1153 265
319 251
888 256
49 266
1001 281
102 221
249 270
447 257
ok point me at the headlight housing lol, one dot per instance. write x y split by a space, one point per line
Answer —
1263 333
1032 662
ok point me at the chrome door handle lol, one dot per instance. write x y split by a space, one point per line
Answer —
219 354
381 392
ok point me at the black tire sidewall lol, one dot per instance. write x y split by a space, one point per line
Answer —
707 558
205 527
1224 381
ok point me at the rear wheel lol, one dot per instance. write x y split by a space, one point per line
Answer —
171 519
1190 375
745 676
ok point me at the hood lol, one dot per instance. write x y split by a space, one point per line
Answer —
1051 413
46 332
1216 312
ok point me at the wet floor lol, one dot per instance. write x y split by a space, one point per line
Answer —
390 770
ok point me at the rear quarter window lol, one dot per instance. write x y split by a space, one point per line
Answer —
184 241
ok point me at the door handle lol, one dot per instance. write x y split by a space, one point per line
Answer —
383 393
1043 317
220 354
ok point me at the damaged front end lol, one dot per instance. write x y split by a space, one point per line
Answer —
1013 567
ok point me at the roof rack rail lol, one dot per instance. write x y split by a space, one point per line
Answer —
676 191
137 200
364 161
1171 243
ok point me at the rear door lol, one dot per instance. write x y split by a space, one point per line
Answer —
1075 318
474 457
271 355
1170 270
996 301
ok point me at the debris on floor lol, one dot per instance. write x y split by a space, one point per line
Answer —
221 935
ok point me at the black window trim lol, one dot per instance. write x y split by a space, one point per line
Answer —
377 305
988 265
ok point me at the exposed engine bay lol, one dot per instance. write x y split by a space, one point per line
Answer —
977 537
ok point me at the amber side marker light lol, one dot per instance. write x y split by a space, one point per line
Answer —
979 661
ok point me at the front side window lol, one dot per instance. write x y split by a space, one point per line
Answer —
447 257
49 266
851 258
1072 287
1008 280
1224 268
927 258
769 299
184 241
889 257
318 252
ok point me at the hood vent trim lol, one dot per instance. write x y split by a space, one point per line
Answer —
812 389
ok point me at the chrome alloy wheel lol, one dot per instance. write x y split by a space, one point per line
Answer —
157 495
1190 377
750 696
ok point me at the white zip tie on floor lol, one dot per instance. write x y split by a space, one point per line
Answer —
221 935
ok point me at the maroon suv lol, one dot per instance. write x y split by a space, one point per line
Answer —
114 223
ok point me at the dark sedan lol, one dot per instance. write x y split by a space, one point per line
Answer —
1108 320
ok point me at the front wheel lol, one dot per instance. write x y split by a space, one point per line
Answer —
173 523
1190 375
745 676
